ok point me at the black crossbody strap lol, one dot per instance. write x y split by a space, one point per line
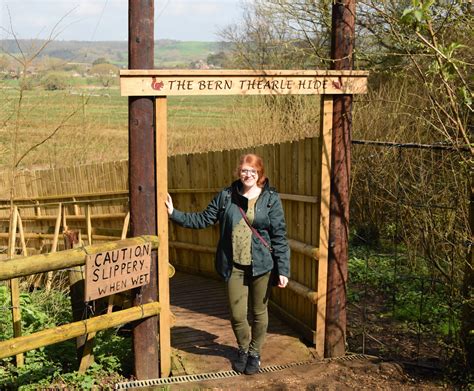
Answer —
264 242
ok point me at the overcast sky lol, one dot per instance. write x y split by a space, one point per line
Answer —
106 20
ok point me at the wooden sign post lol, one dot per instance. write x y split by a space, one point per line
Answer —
163 83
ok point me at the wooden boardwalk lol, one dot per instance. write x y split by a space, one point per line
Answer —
202 337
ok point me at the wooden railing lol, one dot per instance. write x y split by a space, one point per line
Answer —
20 267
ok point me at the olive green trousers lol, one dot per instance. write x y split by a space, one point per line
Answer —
244 289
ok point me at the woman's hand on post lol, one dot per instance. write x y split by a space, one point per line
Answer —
169 204
282 281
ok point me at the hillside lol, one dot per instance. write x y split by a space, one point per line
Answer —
168 53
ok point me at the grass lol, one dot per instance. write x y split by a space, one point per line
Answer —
98 126
170 54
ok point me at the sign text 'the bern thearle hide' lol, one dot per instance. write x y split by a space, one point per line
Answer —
164 83
118 270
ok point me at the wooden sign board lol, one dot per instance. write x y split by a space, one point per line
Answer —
113 271
237 82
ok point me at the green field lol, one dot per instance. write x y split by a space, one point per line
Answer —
92 124
168 53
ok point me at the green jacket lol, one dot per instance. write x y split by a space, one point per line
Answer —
269 221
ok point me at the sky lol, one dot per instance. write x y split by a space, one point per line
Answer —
107 20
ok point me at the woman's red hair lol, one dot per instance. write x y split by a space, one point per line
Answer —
254 161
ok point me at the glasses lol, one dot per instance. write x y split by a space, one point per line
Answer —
248 172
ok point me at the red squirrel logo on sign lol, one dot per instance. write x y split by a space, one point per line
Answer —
157 85
337 84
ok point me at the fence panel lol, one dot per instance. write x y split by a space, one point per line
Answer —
293 168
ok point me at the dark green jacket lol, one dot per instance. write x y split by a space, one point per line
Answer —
269 221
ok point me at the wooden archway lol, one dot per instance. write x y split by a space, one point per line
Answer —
163 83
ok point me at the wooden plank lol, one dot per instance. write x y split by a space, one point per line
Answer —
22 235
298 156
89 224
21 267
115 216
308 217
306 332
20 185
126 223
240 72
54 335
35 193
208 239
240 82
83 194
217 181
76 275
41 236
172 180
302 228
227 167
315 209
182 202
161 153
54 246
326 133
15 286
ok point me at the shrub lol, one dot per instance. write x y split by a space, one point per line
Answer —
26 83
55 81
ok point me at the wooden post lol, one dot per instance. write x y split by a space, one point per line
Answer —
76 283
162 219
22 235
142 180
343 21
54 245
126 223
76 207
89 224
37 209
15 285
326 136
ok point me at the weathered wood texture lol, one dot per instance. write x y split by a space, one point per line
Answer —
33 264
72 330
240 82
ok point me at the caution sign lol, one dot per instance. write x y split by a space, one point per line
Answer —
118 270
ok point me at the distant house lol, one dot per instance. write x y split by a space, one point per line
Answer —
200 64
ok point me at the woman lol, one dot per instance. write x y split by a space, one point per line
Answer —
252 244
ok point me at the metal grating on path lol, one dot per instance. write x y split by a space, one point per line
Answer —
200 377
224 374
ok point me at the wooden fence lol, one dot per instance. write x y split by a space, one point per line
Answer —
12 269
97 194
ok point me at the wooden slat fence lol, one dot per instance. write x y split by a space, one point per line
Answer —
294 168
101 187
